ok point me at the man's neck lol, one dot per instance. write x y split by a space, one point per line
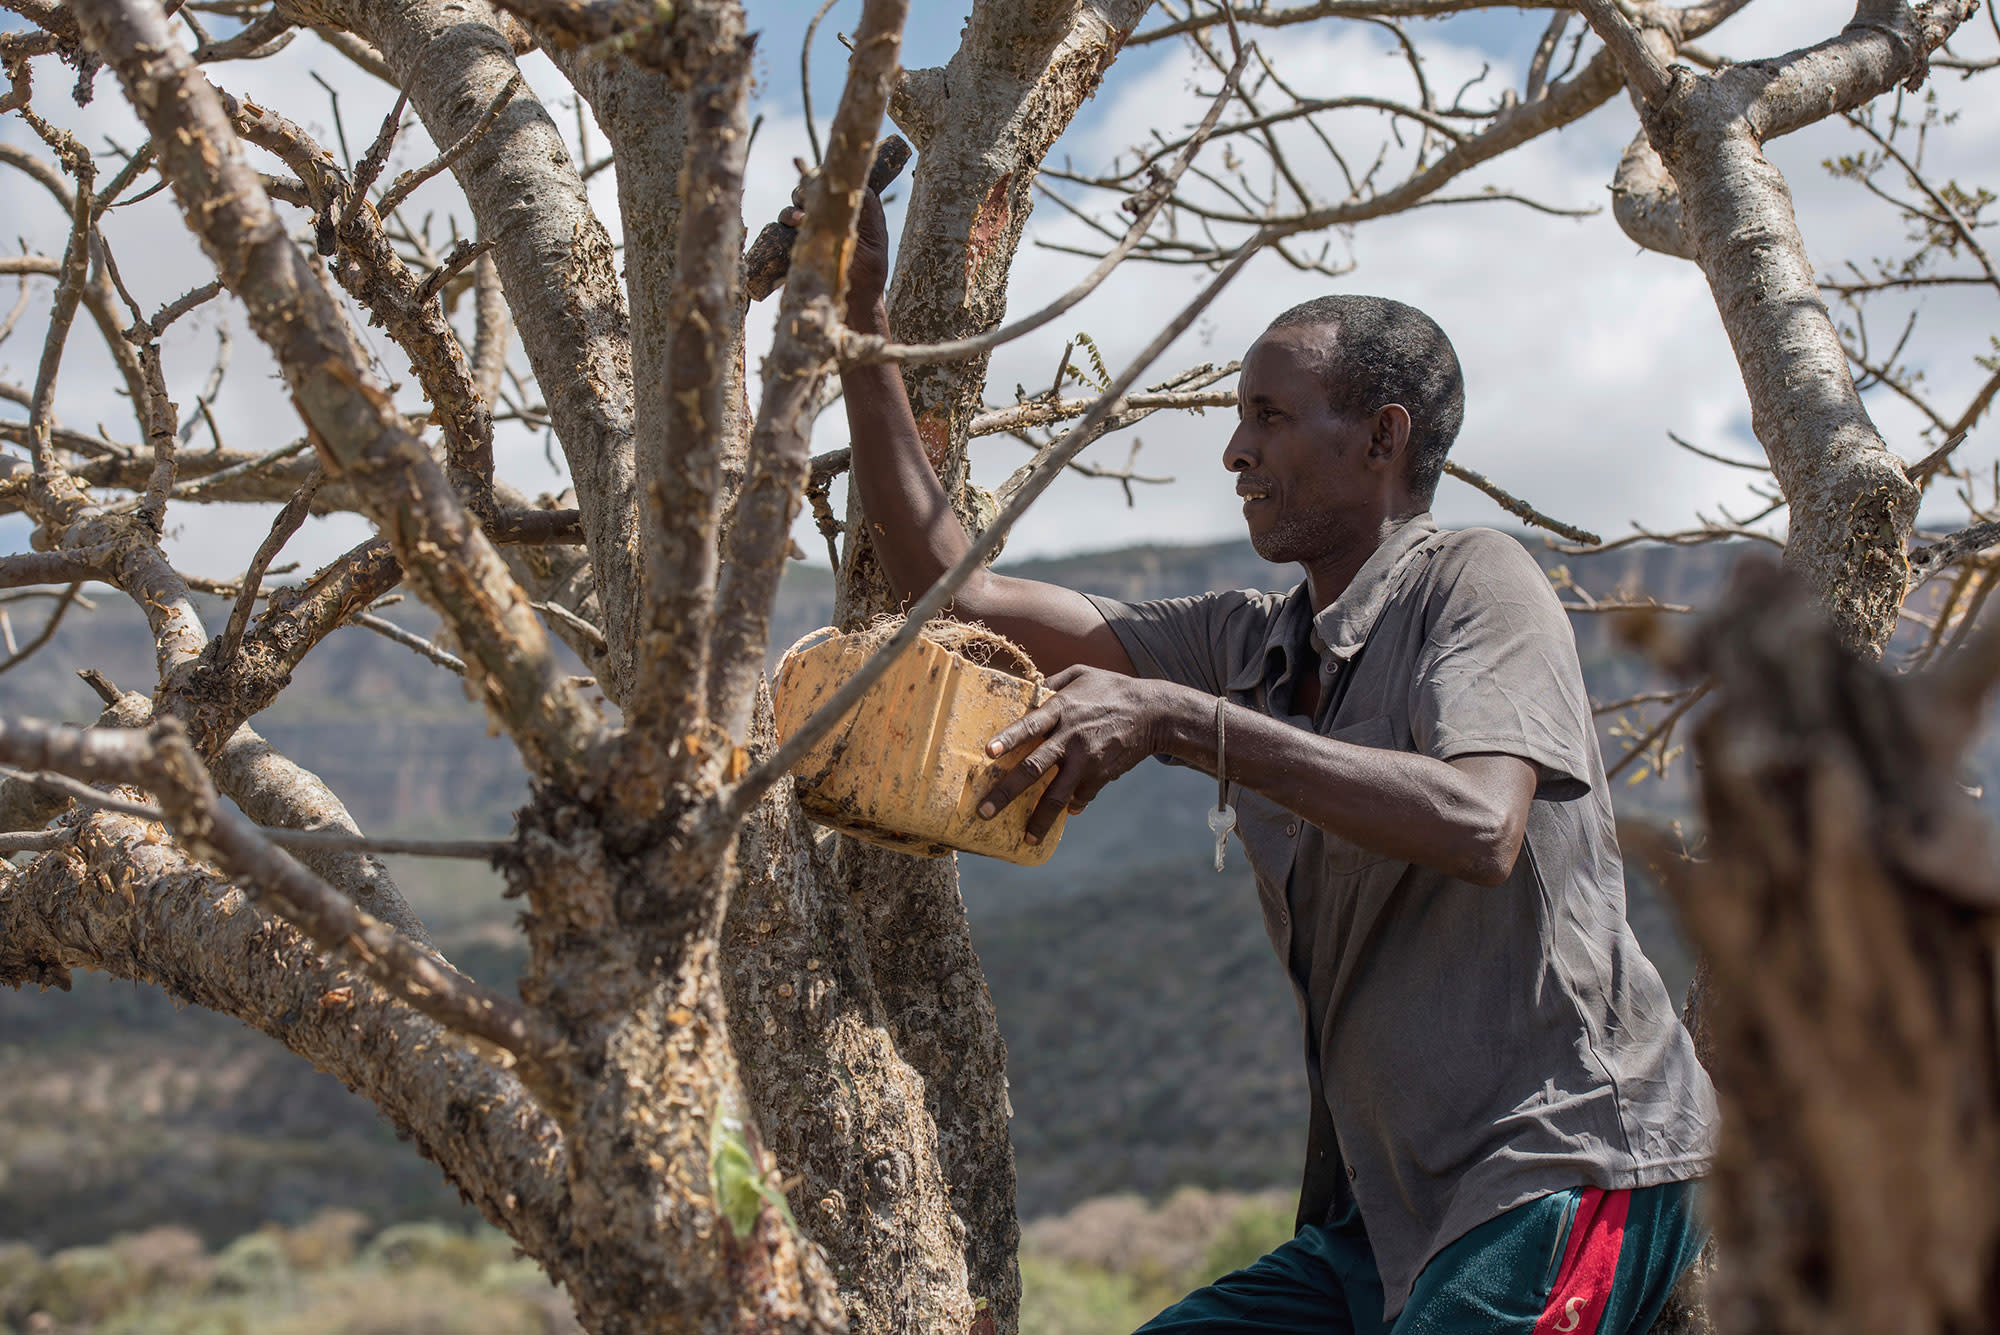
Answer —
1328 576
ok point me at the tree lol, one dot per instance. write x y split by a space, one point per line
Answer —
711 1010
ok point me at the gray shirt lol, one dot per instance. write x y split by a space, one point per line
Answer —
1470 1048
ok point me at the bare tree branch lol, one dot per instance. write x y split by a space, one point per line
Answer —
1147 204
1268 16
680 468
780 452
162 760
359 432
136 907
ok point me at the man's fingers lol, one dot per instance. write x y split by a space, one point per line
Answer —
1035 723
1054 799
1020 779
1084 796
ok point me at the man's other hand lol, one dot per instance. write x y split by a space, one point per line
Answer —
1097 726
868 267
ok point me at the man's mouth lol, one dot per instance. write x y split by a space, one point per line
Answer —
1248 491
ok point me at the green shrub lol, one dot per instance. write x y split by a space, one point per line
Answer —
432 1245
254 1263
19 1264
1259 1224
1062 1298
325 1241
75 1286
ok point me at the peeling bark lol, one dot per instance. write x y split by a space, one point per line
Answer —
833 1094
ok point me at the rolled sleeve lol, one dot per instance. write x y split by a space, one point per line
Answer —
1499 671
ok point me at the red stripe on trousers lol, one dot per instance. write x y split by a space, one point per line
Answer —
1589 1264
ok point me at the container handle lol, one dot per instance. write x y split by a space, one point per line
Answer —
806 639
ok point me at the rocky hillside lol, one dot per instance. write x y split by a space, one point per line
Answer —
1153 1040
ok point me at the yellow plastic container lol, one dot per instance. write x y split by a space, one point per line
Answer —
907 768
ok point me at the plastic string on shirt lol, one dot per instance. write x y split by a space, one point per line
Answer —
1223 819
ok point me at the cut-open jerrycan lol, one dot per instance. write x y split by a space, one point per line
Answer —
907 768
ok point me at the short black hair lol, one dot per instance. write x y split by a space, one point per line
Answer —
1385 352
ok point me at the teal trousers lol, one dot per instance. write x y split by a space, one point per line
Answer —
1579 1262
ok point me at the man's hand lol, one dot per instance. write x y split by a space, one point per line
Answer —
1097 726
868 267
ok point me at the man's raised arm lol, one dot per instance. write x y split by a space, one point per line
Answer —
917 537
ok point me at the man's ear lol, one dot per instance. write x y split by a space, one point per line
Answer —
1389 441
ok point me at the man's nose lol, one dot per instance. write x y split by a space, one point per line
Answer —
1238 456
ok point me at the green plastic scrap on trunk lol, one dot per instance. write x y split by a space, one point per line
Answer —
739 1190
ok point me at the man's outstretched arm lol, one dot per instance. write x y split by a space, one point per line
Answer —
1465 817
916 535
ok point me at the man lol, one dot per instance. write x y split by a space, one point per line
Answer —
1507 1114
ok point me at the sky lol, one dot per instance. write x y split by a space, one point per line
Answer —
1581 352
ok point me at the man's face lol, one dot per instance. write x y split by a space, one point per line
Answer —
1300 466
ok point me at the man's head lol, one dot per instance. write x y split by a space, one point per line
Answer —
1349 406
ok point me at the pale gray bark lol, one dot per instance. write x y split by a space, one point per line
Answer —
645 118
1647 203
272 790
554 257
1851 504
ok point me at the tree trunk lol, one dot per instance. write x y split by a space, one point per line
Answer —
1846 910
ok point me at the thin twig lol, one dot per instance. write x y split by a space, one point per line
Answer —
1519 508
69 291
480 850
1920 471
1658 731
1751 464
68 596
376 158
590 633
289 518
160 415
409 640
805 76
401 189
863 350
1634 701
464 253
175 309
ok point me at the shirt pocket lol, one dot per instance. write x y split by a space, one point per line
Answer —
1339 856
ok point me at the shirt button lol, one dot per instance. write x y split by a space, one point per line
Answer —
1350 1172
1292 830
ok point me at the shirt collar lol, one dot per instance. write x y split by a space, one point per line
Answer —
1340 630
